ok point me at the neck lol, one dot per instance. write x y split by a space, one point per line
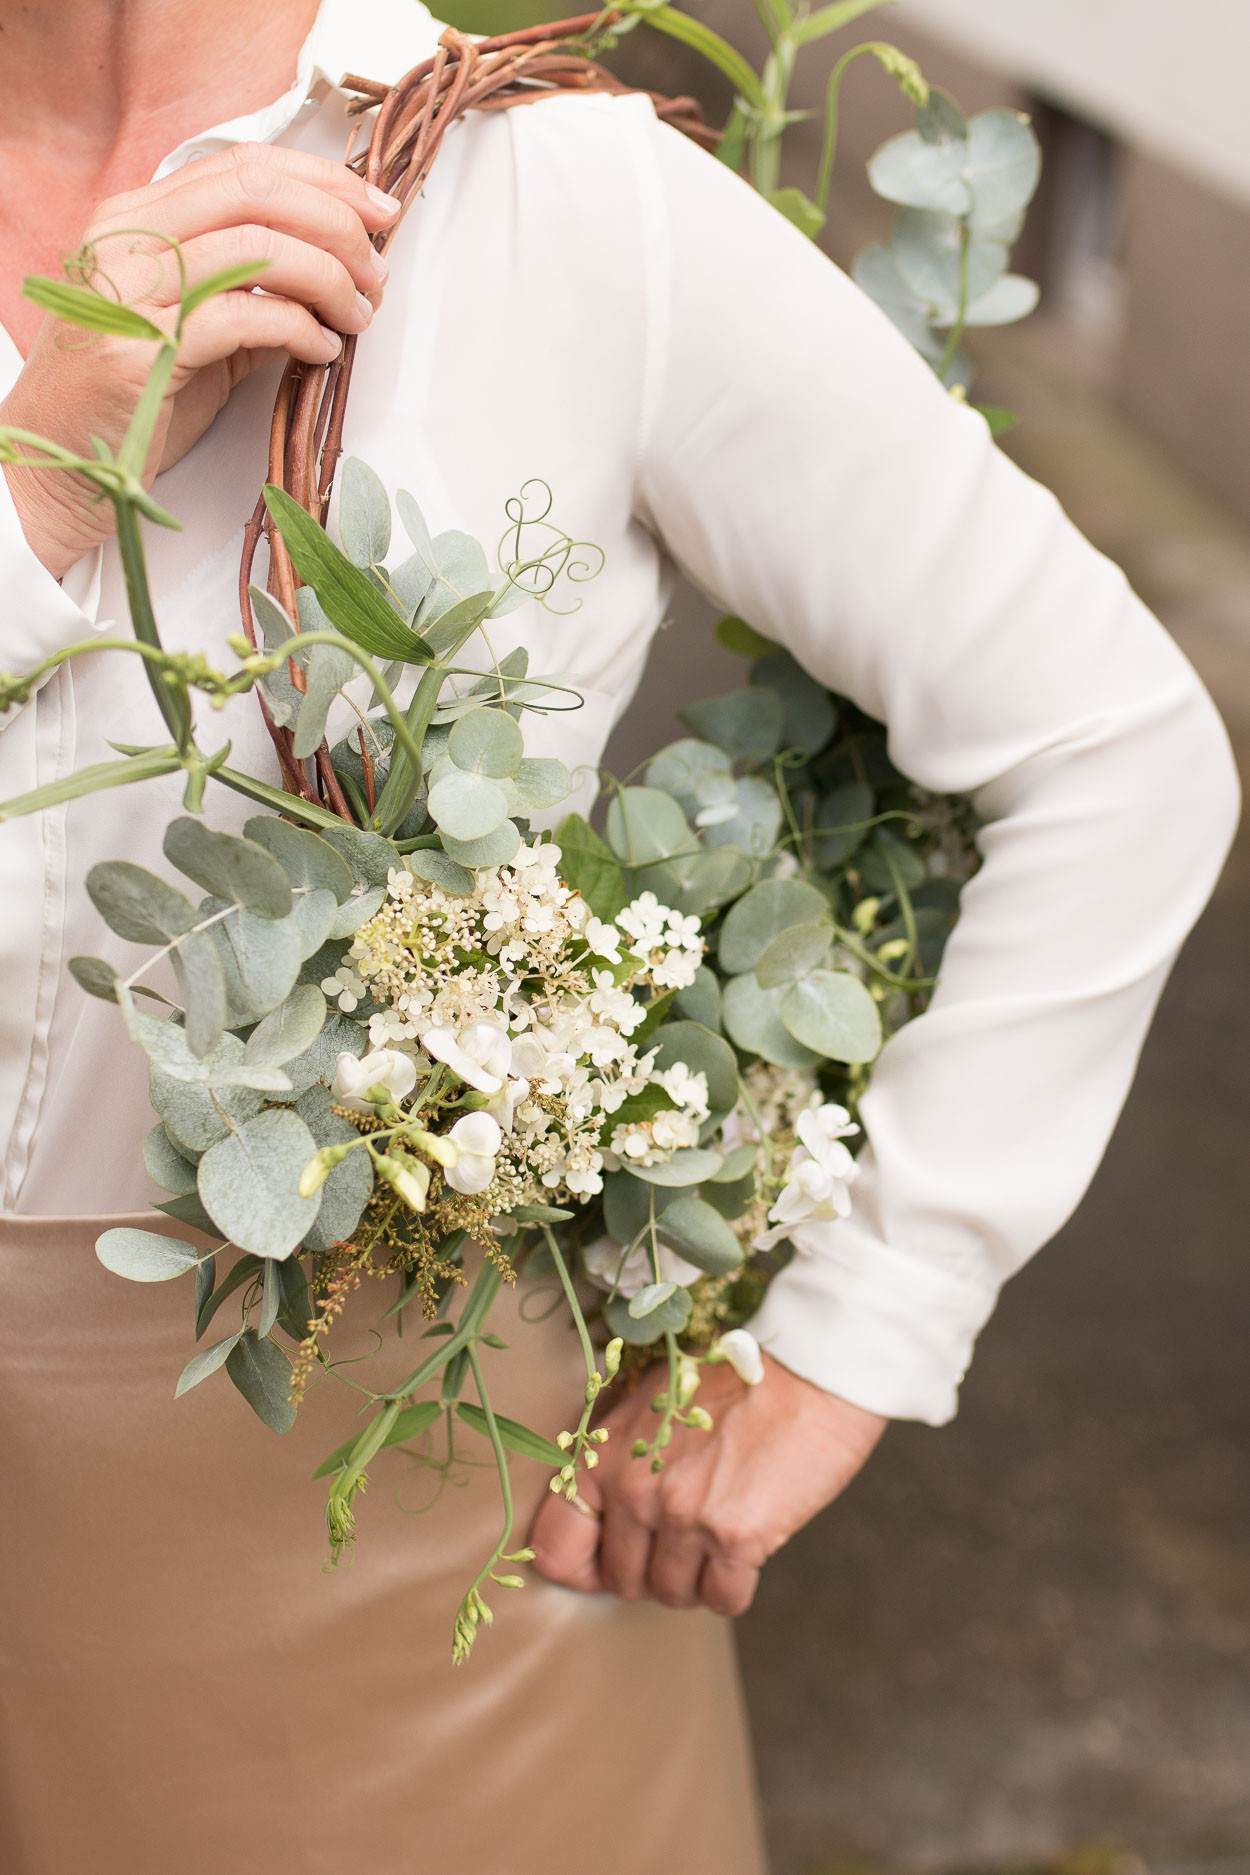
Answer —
89 79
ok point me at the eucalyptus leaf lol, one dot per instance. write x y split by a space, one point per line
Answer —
327 669
144 1256
761 915
270 1297
136 904
262 1373
650 1298
316 917
700 1002
249 1183
287 1030
1003 167
407 586
189 1211
364 513
1010 298
370 857
753 825
929 249
195 1115
201 1365
357 910
747 724
496 848
346 1191
670 1317
414 525
698 1232
686 1167
792 954
440 869
645 825
839 821
809 714
95 975
918 172
486 742
628 1204
165 1164
467 806
539 783
260 958
236 870
202 984
684 770
875 272
703 1052
752 1019
831 1012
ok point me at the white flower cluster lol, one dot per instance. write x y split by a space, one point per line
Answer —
528 999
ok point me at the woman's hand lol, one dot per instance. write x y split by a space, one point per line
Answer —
304 220
701 1529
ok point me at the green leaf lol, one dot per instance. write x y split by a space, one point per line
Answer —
928 249
270 1297
230 868
195 1117
224 281
810 718
832 1012
701 1235
414 525
695 773
752 828
326 670
241 1272
645 825
407 1424
355 605
686 1167
96 976
206 1362
357 910
249 1183
752 1018
496 848
738 1164
516 1437
718 51
762 914
468 807
628 1202
262 1373
832 18
346 1191
588 865
917 172
189 1211
370 857
792 954
539 783
261 959
743 639
79 306
364 513
650 1298
839 820
876 273
90 780
340 1036
1004 164
442 870
747 724
670 1316
316 917
703 1053
166 1166
999 420
486 742
701 1001
1010 298
144 1256
939 118
540 1214
136 904
287 1030
297 1310
808 217
203 988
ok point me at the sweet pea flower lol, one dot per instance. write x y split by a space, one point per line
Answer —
817 1188
480 1054
477 1139
740 1348
354 1075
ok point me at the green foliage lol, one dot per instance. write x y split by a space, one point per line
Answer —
144 1256
249 1183
696 1231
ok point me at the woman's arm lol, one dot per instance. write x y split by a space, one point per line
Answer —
806 468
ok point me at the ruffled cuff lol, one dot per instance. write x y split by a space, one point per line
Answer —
872 1324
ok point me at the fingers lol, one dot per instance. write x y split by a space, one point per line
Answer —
678 1557
375 209
233 322
243 195
565 1542
624 1551
727 1587
284 266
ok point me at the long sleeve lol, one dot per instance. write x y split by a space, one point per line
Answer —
38 615
806 468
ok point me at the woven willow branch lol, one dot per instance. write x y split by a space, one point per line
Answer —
413 117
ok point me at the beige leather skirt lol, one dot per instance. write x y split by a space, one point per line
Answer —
185 1690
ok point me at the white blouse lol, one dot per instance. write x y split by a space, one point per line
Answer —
583 296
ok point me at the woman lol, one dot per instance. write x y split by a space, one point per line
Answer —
579 296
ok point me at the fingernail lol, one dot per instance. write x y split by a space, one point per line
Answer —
380 268
335 338
366 308
389 204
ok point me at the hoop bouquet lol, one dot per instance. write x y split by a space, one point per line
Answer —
418 1021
